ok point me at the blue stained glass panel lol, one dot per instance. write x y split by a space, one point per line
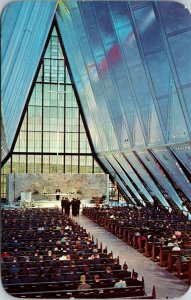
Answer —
148 29
160 73
178 20
174 169
180 46
160 177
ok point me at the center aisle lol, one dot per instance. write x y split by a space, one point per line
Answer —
166 284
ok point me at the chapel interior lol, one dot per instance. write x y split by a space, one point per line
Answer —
95 149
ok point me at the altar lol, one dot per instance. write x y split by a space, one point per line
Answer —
52 196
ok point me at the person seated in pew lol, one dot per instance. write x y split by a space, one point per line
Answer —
14 279
179 240
54 261
16 243
137 233
64 238
120 283
183 259
109 259
95 252
86 272
36 257
83 284
30 247
175 247
170 243
133 281
124 273
80 260
74 266
6 256
97 283
42 277
49 255
15 259
68 260
14 269
79 248
71 276
41 270
64 256
58 277
71 251
108 274
177 233
95 260
115 265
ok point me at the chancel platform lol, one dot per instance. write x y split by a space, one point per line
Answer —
53 196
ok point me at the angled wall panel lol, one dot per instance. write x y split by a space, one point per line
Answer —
158 173
145 177
116 166
155 135
183 152
173 168
27 25
94 103
113 173
178 130
125 164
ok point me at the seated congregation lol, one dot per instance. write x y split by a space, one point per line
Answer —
162 236
45 254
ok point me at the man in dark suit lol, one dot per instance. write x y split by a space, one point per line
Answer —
63 202
133 280
67 206
57 194
75 206
108 274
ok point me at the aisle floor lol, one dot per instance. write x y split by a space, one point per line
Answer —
167 285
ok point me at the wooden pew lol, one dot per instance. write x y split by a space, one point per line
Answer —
163 255
130 291
135 241
155 251
148 248
142 244
130 236
183 268
172 258
189 273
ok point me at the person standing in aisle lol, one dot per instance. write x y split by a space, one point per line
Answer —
67 206
75 207
63 205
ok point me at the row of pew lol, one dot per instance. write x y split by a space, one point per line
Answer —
31 240
154 248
